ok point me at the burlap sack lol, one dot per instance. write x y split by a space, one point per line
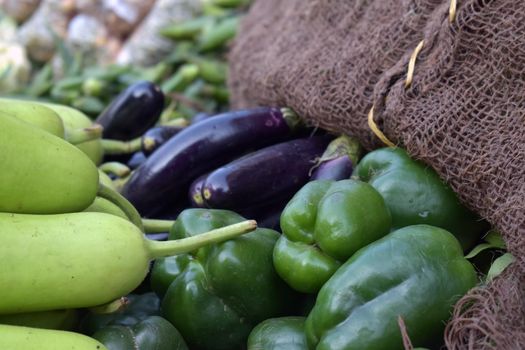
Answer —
463 112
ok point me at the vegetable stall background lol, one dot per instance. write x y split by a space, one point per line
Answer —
445 80
82 53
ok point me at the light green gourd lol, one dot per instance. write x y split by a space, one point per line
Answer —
42 173
25 338
74 119
34 113
102 205
77 260
106 180
52 319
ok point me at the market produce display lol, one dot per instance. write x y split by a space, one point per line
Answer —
226 290
139 210
335 234
441 79
200 148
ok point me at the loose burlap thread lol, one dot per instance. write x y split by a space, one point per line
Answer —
463 112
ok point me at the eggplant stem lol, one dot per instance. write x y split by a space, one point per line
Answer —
121 147
177 122
158 249
292 119
148 143
121 202
342 146
115 168
157 226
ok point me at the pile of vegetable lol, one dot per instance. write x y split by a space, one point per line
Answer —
137 211
351 251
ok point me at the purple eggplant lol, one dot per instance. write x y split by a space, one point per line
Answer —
338 160
202 147
267 215
132 112
199 117
270 219
336 169
157 136
263 175
136 160
195 192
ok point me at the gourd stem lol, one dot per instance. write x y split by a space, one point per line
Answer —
157 226
158 249
121 202
76 136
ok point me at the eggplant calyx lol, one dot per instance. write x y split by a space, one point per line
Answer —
291 118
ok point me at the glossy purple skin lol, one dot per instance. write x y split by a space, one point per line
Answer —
271 220
199 117
157 136
198 149
267 215
336 169
132 112
136 160
262 175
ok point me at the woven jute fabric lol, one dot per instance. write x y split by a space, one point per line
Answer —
463 113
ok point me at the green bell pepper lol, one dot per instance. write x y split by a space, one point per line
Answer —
152 333
138 308
417 272
279 333
165 270
225 289
415 194
323 225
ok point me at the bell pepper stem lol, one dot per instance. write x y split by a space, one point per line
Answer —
157 226
186 245
121 147
76 136
117 199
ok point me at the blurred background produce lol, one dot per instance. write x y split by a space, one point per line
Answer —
83 53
